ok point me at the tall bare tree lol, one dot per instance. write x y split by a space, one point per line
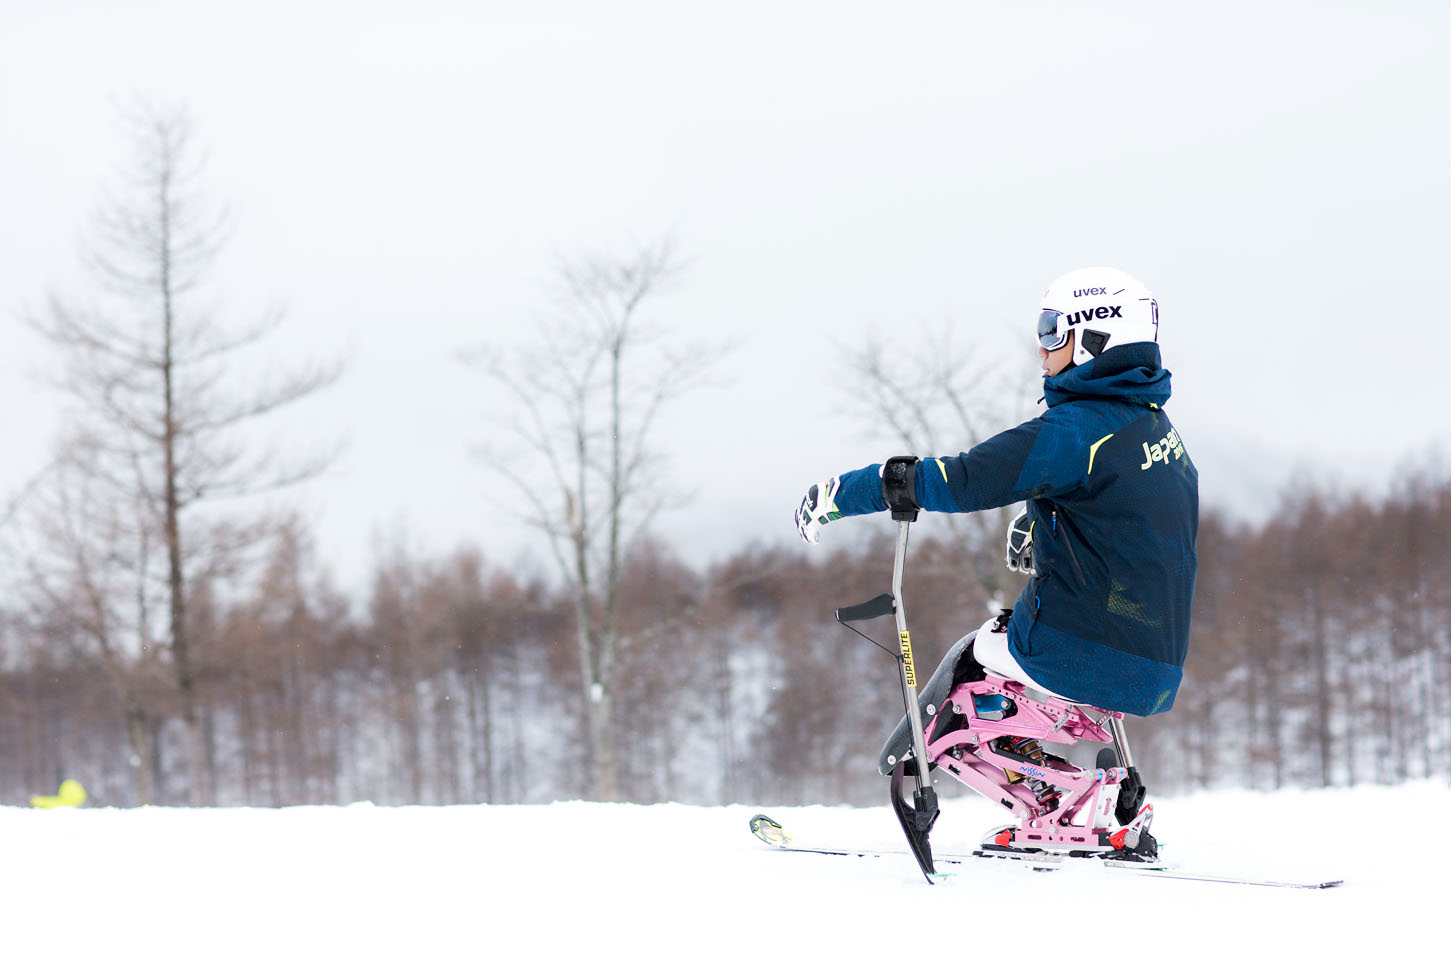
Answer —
163 396
589 391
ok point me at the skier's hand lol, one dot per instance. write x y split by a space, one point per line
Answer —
817 508
1020 545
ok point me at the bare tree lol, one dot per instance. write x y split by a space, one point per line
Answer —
589 391
83 582
155 372
938 394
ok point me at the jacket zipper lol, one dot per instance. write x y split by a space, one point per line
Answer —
1072 558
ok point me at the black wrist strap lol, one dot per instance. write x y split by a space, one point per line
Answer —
899 487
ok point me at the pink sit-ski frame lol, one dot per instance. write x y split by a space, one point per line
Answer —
1084 817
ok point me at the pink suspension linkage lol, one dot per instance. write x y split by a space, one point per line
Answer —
1075 811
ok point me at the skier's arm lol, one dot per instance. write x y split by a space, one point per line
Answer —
1033 459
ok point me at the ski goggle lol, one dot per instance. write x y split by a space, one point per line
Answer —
1048 335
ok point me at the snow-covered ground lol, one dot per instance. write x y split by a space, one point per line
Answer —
572 883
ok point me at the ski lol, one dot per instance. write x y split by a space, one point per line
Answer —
770 832
1170 873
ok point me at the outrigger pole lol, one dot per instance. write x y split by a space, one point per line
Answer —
899 489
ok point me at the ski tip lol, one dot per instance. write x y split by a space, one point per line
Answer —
769 830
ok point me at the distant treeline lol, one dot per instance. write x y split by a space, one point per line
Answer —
1321 656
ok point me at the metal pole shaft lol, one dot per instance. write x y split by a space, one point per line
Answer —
909 674
1121 740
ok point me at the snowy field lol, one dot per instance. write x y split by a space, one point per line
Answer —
569 883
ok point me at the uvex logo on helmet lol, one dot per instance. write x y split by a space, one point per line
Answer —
1102 312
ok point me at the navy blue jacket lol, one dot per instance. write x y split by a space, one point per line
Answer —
1113 500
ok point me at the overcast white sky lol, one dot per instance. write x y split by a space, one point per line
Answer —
405 175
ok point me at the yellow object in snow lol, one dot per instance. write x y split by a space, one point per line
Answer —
70 794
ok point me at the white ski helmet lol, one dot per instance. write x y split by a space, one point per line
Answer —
1104 306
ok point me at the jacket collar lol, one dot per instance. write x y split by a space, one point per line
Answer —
1132 372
